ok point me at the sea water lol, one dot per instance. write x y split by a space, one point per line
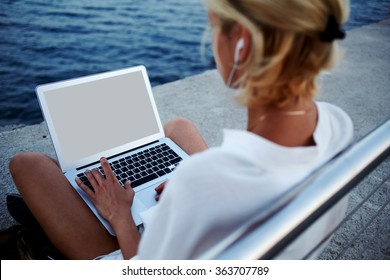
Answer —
45 41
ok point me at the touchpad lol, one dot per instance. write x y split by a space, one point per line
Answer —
137 207
148 196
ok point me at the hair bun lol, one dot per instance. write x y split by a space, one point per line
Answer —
332 31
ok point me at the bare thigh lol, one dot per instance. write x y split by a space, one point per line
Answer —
68 222
184 133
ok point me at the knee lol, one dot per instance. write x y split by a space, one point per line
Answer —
177 124
24 161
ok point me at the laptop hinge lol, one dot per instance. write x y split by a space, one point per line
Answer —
117 155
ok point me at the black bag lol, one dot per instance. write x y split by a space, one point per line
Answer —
26 243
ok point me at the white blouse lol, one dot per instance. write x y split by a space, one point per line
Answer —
214 192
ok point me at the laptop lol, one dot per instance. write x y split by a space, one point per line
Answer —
112 115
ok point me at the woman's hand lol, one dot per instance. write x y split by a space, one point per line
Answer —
111 199
114 202
159 189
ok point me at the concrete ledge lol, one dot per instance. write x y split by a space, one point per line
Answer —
360 84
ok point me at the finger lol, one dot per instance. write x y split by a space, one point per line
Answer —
91 178
86 189
160 187
127 185
107 169
97 176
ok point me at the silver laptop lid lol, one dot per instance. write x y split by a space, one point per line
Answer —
100 115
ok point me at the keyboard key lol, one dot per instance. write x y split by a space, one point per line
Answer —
165 147
173 153
144 180
175 160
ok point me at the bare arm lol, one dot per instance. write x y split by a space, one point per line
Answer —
114 202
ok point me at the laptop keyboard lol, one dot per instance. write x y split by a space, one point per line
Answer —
141 167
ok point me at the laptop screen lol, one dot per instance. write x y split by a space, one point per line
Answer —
91 117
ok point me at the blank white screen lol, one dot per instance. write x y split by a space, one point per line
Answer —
100 115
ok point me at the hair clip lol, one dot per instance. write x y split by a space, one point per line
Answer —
332 31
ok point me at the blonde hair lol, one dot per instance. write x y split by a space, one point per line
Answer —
286 54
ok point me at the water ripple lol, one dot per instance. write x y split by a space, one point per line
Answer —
45 41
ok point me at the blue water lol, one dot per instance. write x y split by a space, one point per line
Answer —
44 41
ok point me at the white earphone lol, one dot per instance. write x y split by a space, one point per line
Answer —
239 46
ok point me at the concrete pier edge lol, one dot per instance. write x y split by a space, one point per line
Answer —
360 84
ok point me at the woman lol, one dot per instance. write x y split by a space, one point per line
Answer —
272 51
